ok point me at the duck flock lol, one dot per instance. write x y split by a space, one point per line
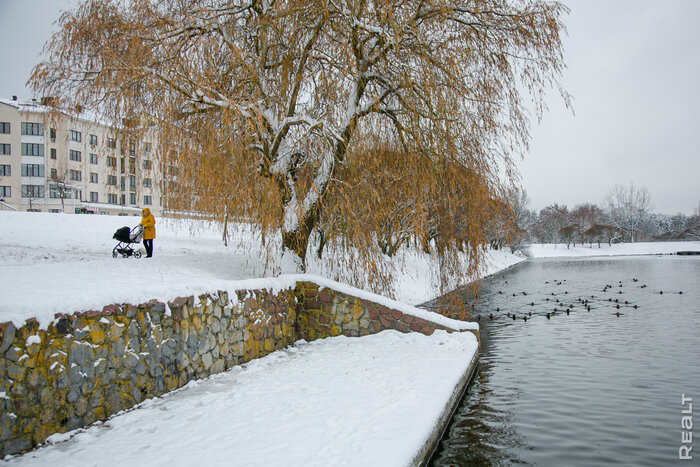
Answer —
560 302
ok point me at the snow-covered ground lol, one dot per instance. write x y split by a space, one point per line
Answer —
53 263
364 401
619 249
342 401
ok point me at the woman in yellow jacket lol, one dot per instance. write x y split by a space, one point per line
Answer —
149 230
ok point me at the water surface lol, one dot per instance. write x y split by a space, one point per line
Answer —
583 388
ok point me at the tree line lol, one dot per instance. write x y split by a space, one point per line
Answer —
625 216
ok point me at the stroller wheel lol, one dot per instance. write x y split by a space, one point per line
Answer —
115 254
137 254
125 255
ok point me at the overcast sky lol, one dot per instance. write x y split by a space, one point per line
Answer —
633 71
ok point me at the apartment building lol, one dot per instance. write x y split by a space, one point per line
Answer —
53 162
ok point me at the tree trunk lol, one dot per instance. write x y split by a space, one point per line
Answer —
297 241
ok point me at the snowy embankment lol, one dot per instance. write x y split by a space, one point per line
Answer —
372 400
618 249
339 401
56 263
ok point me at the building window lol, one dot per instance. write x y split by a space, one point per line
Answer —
112 180
111 198
6 191
32 149
76 175
93 197
74 155
93 159
132 149
147 164
111 143
5 170
147 200
132 198
5 128
123 184
146 147
147 182
122 201
55 211
53 153
5 149
32 170
132 181
32 129
75 136
93 177
60 192
54 174
52 133
111 162
132 165
93 140
32 191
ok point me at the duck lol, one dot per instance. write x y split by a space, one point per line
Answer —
532 303
547 315
525 318
618 314
567 312
635 307
490 315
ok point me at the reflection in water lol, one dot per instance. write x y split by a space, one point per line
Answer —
583 363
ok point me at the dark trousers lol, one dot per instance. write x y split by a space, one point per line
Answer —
149 247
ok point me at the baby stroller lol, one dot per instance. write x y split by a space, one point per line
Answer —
126 237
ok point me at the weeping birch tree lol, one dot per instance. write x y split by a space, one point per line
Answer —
282 111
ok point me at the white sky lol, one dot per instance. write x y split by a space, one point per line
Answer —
633 71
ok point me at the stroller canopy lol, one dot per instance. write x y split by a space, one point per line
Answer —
122 235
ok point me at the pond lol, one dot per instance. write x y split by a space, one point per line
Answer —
597 382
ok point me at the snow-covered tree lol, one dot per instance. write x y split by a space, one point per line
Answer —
550 221
629 208
263 105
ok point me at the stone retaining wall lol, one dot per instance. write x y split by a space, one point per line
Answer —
87 366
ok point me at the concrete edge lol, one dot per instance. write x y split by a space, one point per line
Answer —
422 458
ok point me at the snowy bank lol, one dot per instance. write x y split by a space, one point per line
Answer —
372 400
618 249
53 263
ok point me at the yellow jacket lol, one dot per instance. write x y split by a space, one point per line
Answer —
149 224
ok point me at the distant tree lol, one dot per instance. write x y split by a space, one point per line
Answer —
584 216
629 208
263 105
522 219
600 233
569 234
550 220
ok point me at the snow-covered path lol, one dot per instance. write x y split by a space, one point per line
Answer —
340 401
